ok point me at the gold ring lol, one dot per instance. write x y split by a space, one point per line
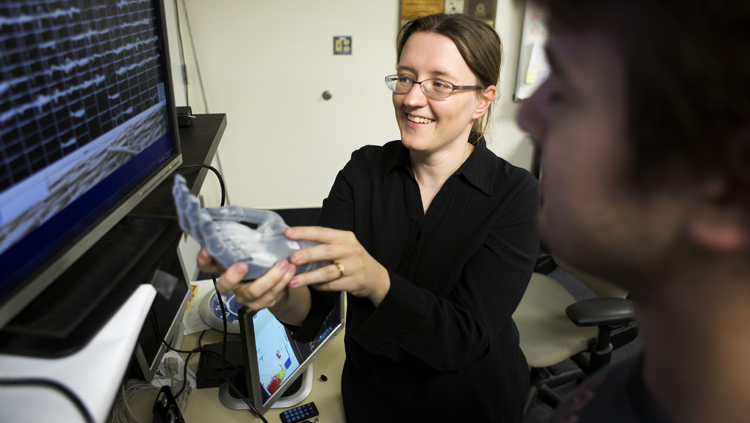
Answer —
341 269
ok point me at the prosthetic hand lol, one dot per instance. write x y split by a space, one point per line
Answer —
221 231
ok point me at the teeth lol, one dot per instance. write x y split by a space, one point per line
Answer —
418 119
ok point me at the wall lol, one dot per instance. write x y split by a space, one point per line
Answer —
266 65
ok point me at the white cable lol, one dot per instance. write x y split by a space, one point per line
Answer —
126 397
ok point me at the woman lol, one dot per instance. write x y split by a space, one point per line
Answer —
433 239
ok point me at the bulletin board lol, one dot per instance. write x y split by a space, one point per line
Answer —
532 62
484 10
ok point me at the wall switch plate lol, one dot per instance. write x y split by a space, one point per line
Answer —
342 45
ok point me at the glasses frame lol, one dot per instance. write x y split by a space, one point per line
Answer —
391 78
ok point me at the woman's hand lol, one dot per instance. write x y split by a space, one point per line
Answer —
267 291
362 275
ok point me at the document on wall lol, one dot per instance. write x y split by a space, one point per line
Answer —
538 68
532 61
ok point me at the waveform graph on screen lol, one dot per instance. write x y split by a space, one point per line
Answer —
81 93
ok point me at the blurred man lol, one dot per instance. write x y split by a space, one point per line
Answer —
644 128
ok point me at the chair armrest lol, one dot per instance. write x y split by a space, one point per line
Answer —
600 311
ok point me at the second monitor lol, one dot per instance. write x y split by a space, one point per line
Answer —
273 360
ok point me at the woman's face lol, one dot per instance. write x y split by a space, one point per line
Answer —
430 125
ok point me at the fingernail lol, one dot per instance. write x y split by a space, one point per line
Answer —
282 264
240 268
296 257
290 231
294 283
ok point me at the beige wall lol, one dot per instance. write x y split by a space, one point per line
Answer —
266 63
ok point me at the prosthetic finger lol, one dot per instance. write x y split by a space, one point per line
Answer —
188 209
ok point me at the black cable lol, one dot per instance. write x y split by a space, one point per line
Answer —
223 354
200 338
198 349
214 170
201 350
182 52
198 69
224 319
195 55
189 353
49 383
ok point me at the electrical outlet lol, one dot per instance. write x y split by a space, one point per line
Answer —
342 45
454 6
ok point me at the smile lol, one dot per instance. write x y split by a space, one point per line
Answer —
417 119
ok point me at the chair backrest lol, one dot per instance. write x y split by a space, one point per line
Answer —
600 287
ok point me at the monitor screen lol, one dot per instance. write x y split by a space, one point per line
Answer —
88 128
274 360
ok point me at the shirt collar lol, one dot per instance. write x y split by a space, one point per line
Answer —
480 169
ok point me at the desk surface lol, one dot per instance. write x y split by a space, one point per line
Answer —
204 405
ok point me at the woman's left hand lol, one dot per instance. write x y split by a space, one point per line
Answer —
353 269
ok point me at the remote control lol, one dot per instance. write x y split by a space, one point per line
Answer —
296 414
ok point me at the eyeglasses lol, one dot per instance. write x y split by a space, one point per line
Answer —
433 88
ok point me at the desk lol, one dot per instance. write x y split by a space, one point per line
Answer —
204 405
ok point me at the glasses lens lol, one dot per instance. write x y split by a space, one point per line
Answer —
437 88
399 84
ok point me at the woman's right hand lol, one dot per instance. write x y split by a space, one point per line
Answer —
267 291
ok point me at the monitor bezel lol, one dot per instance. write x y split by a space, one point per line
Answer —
31 285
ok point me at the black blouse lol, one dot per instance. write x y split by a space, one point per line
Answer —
442 345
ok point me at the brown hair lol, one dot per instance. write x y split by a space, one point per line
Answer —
478 44
688 84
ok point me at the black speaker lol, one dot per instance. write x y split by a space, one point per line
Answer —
165 408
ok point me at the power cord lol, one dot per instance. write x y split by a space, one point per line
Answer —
213 169
224 361
59 387
125 398
197 67
222 356
182 52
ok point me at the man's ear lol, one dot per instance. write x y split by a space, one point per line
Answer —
488 94
720 227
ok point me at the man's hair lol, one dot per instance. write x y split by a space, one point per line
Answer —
477 42
688 84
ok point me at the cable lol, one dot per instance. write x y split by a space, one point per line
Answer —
214 170
200 338
182 52
224 318
195 55
124 400
49 383
198 69
223 354
125 397
195 350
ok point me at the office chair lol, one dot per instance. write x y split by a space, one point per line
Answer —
554 326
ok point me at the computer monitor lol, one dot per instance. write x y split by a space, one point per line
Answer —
88 129
274 361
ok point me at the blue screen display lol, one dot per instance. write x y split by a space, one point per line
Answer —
83 120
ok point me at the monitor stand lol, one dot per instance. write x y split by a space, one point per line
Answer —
289 398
